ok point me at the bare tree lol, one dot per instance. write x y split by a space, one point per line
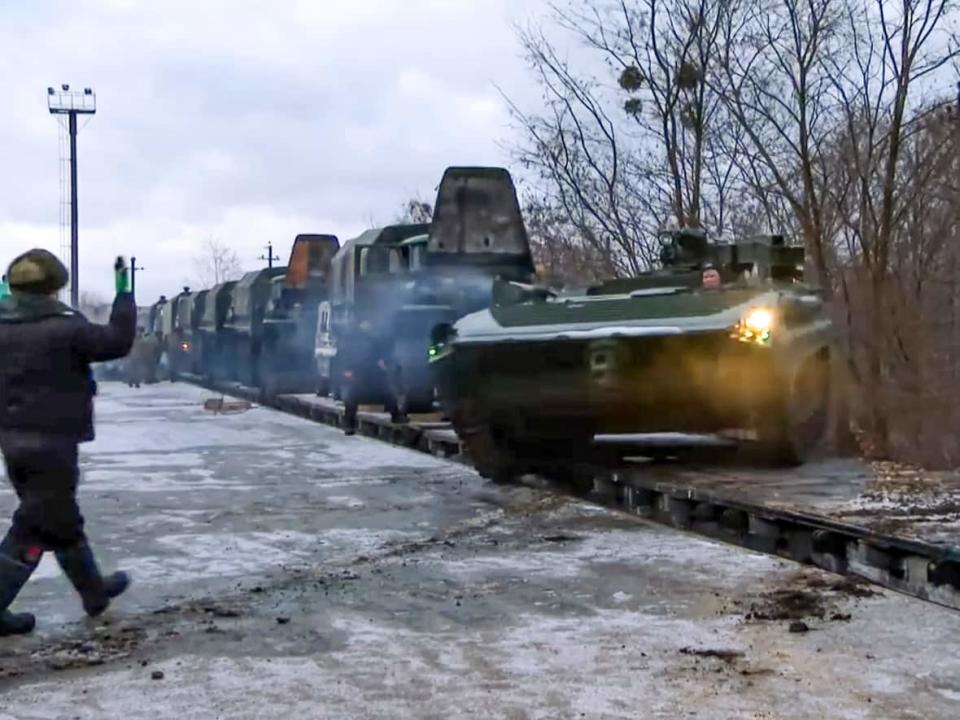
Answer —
894 47
623 156
778 60
415 211
574 150
665 52
215 263
562 258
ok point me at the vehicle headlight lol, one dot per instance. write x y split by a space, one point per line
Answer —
756 326
440 337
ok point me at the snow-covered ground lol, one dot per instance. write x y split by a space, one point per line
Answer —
283 570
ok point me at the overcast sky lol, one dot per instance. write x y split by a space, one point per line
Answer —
246 121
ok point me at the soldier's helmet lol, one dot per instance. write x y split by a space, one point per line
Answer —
37 271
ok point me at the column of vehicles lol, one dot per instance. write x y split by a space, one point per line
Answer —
353 320
721 338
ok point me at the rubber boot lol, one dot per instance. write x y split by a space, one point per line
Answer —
96 591
16 567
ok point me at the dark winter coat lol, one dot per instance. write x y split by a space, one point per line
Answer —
46 385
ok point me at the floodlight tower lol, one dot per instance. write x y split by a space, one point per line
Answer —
72 103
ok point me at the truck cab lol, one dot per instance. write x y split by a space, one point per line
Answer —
367 278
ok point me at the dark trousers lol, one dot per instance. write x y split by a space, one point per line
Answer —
43 471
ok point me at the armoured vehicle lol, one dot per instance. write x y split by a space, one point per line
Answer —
240 335
288 330
538 379
216 362
390 289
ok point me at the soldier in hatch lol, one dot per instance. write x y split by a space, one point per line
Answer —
46 410
710 278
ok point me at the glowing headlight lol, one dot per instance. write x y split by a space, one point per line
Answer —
756 326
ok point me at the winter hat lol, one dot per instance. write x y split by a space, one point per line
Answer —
37 271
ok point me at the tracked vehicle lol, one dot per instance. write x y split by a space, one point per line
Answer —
539 379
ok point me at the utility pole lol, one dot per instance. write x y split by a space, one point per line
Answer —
133 275
270 257
71 104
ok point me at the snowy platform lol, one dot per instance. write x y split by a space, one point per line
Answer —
892 525
284 570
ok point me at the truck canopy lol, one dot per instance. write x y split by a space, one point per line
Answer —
477 214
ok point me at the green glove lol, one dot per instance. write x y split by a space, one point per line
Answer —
121 275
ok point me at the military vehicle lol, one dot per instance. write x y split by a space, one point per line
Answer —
289 326
189 358
177 326
477 234
216 362
354 326
155 317
537 380
240 335
392 286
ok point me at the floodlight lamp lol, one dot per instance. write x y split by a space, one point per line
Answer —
50 91
65 87
88 91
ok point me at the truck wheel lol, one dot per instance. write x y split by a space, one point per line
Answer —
794 428
268 377
322 386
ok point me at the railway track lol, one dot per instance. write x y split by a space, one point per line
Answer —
926 569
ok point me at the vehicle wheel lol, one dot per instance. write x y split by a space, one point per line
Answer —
267 375
487 446
322 386
795 427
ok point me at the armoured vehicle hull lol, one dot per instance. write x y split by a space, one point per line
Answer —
542 378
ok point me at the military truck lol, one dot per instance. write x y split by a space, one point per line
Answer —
288 329
240 334
539 379
155 317
177 327
388 293
354 324
216 362
189 358
477 234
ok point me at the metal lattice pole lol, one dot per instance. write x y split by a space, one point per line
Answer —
65 102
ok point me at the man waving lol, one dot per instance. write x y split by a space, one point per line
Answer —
46 410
